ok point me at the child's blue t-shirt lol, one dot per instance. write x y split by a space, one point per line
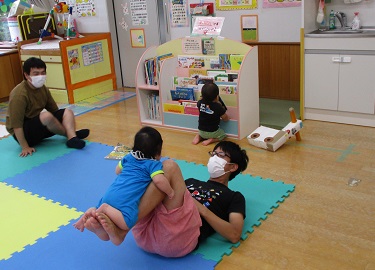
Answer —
129 186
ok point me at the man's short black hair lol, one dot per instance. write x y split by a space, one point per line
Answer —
33 62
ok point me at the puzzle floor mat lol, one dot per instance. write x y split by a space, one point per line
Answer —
69 184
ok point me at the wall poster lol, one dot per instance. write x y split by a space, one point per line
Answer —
236 4
179 13
92 53
138 11
281 3
137 37
249 28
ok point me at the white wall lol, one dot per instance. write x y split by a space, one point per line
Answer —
274 24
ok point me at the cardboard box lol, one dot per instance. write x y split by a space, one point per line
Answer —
267 138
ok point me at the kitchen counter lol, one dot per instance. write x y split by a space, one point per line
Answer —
7 51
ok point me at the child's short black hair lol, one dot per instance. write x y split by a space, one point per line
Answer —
209 92
33 62
148 141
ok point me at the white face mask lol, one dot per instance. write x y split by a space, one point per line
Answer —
38 81
216 166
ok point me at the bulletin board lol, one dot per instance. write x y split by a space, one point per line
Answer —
87 61
235 4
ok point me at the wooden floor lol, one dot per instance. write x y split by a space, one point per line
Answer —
324 224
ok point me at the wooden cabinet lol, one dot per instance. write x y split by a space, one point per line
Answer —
244 111
78 68
340 80
279 70
11 73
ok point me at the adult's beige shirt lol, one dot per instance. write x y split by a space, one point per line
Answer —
26 103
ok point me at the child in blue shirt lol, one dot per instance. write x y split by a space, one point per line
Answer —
135 171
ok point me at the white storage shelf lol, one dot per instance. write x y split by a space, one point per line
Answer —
244 116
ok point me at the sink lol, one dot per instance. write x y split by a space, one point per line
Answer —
342 32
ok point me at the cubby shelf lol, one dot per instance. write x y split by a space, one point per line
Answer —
244 116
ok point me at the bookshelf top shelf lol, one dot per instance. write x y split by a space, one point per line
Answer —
148 87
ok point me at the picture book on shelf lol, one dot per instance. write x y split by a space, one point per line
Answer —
205 79
183 93
227 88
191 61
224 60
215 72
196 72
183 81
208 46
236 61
232 77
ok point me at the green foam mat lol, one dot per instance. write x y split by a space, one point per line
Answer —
11 163
262 197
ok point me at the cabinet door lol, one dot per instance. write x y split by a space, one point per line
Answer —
357 84
321 81
55 76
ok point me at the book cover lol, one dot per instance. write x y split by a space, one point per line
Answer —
174 108
185 61
232 77
118 152
183 81
183 93
224 60
236 61
205 79
208 46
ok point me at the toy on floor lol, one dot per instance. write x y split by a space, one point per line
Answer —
272 139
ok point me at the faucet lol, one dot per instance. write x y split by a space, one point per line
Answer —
342 19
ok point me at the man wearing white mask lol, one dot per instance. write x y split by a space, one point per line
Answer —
222 210
169 227
33 114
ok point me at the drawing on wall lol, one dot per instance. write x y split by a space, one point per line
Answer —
92 53
85 8
73 58
137 37
236 4
249 28
179 13
138 11
281 3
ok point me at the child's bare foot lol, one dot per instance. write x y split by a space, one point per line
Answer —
80 224
209 141
197 139
116 235
93 225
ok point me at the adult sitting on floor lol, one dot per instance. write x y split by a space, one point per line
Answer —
33 114
172 227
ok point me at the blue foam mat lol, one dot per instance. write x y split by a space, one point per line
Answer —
80 178
69 249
